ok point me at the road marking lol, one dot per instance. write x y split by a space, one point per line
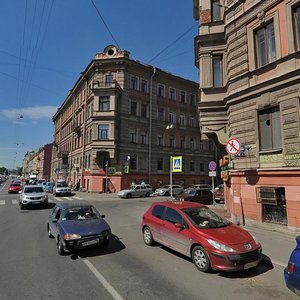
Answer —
59 199
2 202
102 280
14 201
78 198
68 198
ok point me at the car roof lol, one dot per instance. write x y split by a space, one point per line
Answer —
179 204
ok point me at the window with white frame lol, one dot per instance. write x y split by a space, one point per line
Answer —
182 119
103 130
182 97
134 83
217 61
192 143
201 146
143 137
172 141
161 90
192 166
160 114
133 108
296 21
104 103
160 140
192 121
182 142
270 129
172 94
215 10
109 80
193 100
132 136
144 86
265 45
144 110
172 117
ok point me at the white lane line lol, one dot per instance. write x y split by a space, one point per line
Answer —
78 198
103 281
14 201
68 198
59 199
2 202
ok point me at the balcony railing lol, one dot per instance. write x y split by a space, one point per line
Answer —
106 85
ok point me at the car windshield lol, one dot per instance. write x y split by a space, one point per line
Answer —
190 192
61 184
166 187
81 213
203 217
33 189
15 184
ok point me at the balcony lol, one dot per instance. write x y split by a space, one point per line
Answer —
76 127
100 85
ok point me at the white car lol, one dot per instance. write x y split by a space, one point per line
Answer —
61 188
137 190
166 190
33 195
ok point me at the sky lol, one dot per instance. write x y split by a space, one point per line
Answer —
45 44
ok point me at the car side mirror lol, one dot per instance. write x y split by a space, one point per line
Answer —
54 220
179 225
102 216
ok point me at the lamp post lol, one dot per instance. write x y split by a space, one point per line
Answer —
106 176
170 127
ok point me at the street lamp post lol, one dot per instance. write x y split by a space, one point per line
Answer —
170 127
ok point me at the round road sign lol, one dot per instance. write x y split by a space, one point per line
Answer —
212 165
233 146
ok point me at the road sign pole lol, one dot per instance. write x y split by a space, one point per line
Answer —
171 167
213 189
106 176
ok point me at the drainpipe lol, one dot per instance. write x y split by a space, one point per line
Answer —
84 120
150 125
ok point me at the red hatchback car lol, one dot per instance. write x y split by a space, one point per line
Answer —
15 188
197 232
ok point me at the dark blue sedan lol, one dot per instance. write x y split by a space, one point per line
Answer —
77 226
292 271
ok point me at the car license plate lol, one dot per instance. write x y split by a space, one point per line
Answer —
251 265
36 202
92 242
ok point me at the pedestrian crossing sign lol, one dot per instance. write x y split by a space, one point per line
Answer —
177 164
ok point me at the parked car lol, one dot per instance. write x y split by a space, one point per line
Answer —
219 194
61 188
196 195
137 190
292 271
33 195
166 190
200 186
197 232
49 187
15 187
77 226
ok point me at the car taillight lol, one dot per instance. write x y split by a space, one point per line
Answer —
290 267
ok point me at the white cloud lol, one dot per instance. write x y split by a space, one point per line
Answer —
33 113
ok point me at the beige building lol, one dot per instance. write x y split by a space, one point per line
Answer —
115 121
248 54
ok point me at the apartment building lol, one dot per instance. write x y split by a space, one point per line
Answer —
121 122
248 54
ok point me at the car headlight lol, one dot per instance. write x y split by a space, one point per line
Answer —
72 236
255 240
220 246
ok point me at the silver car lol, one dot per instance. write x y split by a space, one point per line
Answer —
137 190
61 188
166 190
33 195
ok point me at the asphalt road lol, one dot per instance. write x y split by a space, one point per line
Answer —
30 267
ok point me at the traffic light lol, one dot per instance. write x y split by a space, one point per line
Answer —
126 169
224 161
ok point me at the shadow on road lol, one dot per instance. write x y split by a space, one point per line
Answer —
115 245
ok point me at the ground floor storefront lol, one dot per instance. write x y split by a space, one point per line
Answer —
264 196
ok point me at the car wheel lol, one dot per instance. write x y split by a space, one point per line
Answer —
49 232
167 194
201 259
128 196
21 207
60 247
147 195
147 236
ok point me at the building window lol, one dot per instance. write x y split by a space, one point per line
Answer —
103 132
134 83
182 142
215 10
132 162
133 108
143 136
297 27
182 96
192 166
104 103
217 70
193 100
161 90
161 114
192 143
160 140
160 164
182 119
109 80
171 117
144 86
270 129
192 121
144 110
201 167
201 146
172 94
172 141
132 136
265 45
210 146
